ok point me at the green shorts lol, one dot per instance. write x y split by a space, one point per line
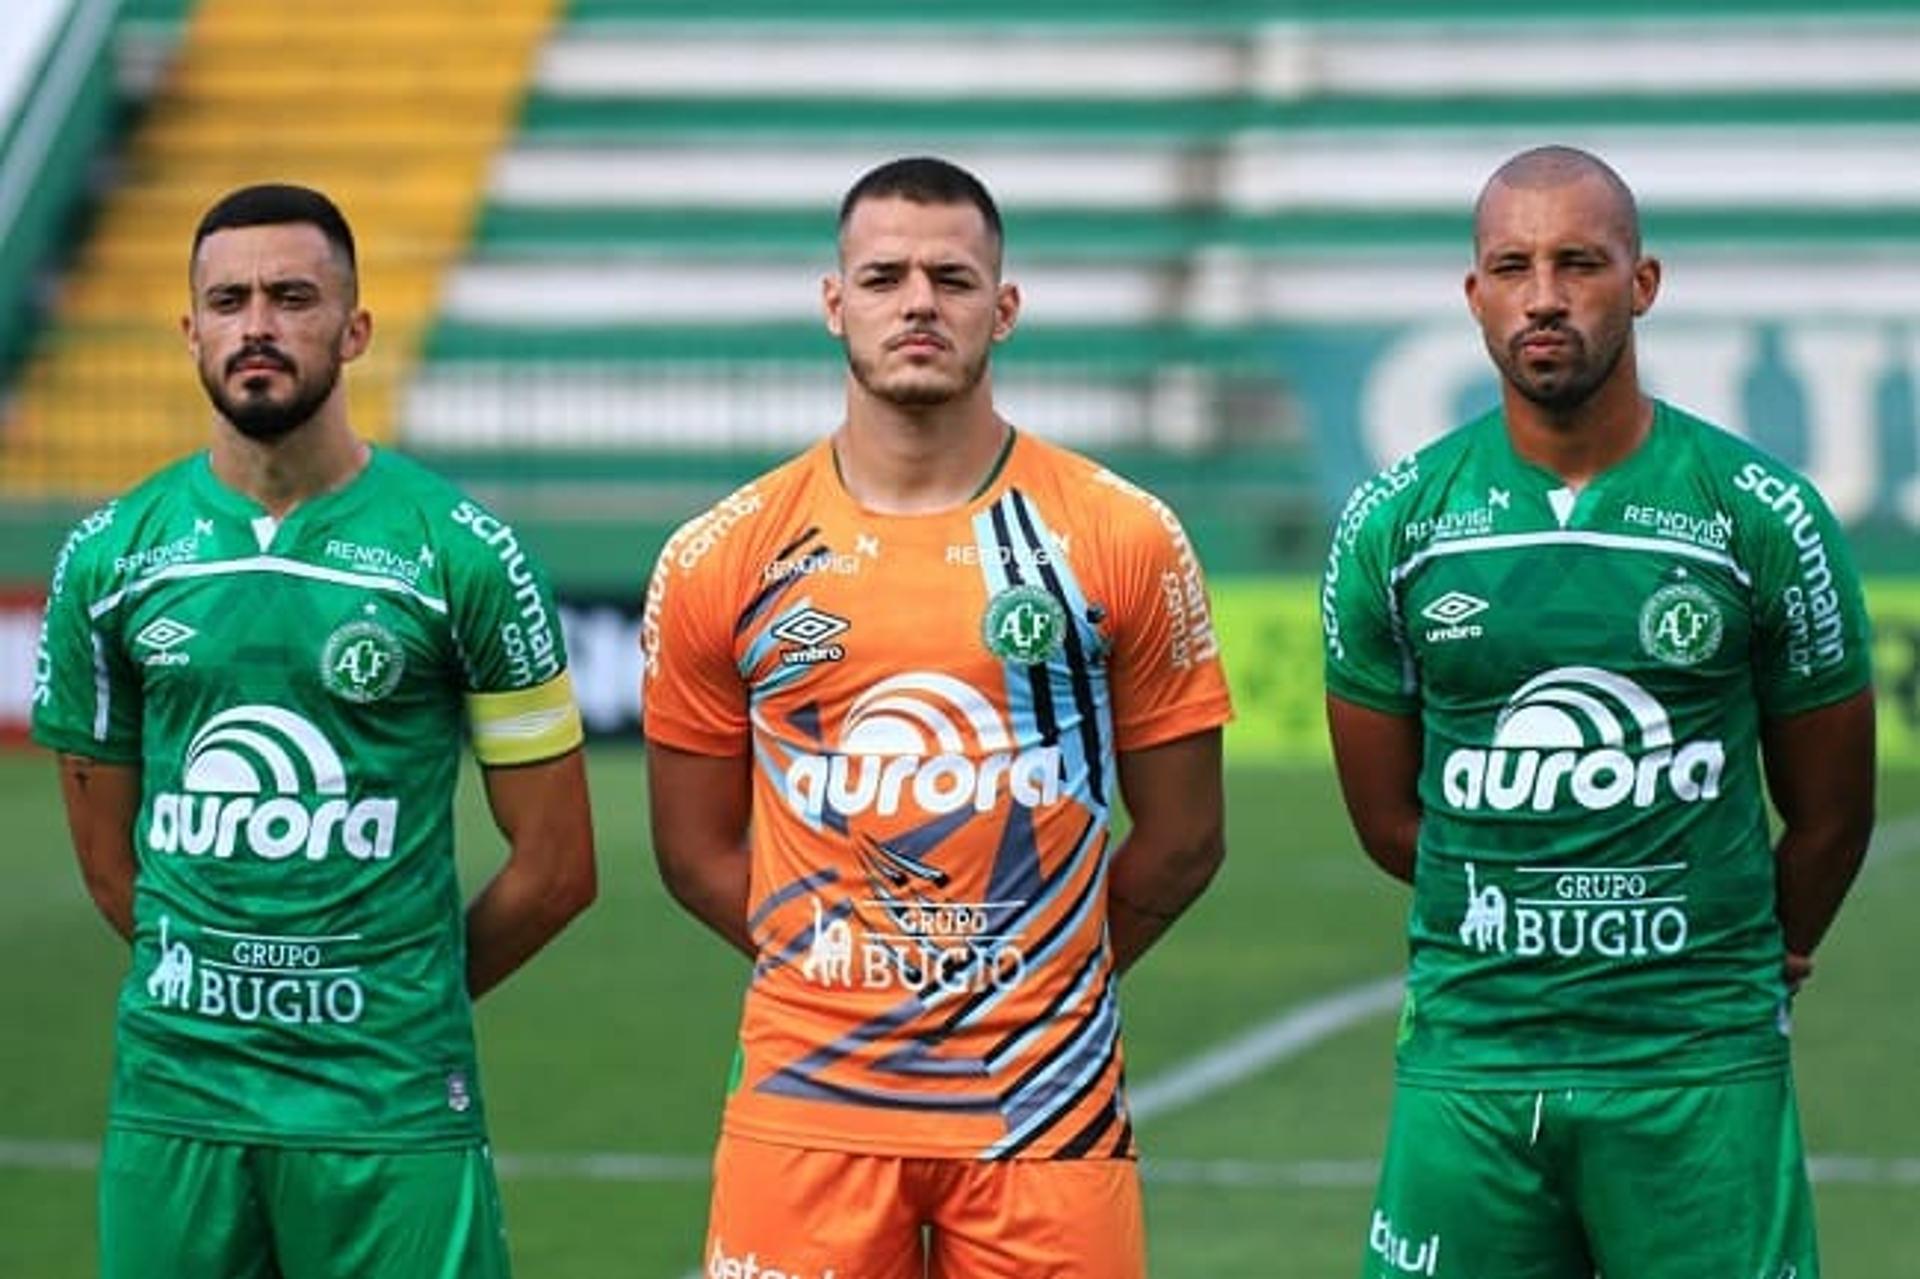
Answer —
183 1208
1631 1183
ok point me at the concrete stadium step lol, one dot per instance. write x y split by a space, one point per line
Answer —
1280 63
442 21
519 232
1183 13
1255 172
1120 346
392 71
177 131
97 406
93 301
558 119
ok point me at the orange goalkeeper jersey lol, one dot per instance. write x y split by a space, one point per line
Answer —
932 705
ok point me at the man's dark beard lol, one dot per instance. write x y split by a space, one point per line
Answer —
917 396
262 419
1582 379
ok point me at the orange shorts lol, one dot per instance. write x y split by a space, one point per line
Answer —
784 1212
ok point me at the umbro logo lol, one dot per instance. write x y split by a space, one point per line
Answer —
809 626
1450 615
810 631
1454 608
161 636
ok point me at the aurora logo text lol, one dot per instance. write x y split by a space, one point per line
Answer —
263 780
927 737
1584 734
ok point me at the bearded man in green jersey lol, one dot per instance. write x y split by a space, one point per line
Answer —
1571 650
257 669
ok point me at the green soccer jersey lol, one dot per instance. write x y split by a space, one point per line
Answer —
1594 889
297 694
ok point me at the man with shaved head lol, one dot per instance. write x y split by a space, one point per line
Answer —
1572 650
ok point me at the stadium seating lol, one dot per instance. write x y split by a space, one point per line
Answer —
1235 224
395 109
1195 199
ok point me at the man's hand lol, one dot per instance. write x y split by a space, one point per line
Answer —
1798 969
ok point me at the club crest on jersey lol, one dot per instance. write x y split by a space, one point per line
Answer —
1681 624
1025 624
362 662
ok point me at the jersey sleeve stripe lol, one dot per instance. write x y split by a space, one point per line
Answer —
102 690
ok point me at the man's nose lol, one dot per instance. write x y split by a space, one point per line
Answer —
258 318
917 297
1546 295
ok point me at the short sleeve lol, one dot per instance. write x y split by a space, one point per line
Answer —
692 696
86 693
1164 663
1366 657
1811 643
520 703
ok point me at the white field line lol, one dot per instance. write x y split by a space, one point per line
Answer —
653 1169
1250 1052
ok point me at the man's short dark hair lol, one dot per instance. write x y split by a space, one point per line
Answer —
273 204
923 179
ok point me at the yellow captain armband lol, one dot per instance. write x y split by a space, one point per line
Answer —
526 725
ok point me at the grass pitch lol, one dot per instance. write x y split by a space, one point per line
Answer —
615 1042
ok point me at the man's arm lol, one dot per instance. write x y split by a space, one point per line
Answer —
549 875
1820 775
1176 801
102 802
1378 758
702 806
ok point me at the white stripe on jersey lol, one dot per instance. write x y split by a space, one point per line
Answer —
263 564
102 690
1606 541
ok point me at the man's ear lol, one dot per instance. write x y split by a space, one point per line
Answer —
357 336
1006 311
832 293
1646 284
